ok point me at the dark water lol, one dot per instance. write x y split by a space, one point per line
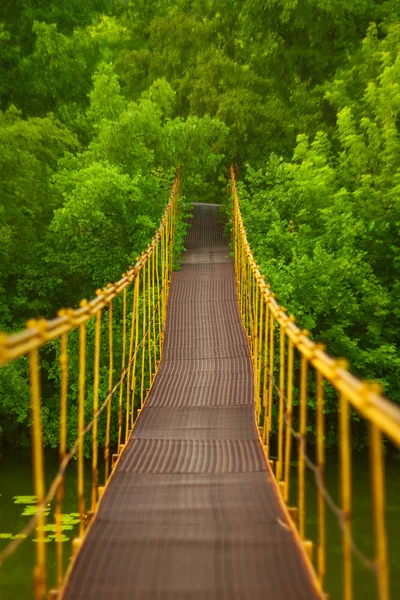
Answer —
362 527
15 480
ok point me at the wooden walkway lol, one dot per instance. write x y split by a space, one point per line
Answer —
192 510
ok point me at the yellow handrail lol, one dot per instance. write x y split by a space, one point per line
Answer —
147 283
268 325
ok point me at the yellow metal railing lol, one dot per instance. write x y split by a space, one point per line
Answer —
282 354
143 292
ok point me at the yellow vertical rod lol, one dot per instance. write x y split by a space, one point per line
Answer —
170 226
289 419
255 303
167 225
253 307
302 447
255 313
248 310
175 218
122 376
143 334
378 494
245 312
246 297
165 271
271 380
158 296
345 470
110 386
164 274
321 467
255 353
39 573
234 231
153 306
171 243
279 466
242 302
265 366
62 446
96 382
236 243
162 282
240 274
149 317
171 234
237 246
249 304
129 367
260 350
240 277
81 426
135 355
244 285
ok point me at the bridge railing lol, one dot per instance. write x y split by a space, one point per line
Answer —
291 373
142 295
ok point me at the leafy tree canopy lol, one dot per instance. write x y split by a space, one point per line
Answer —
99 101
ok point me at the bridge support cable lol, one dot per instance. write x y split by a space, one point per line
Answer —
131 337
289 393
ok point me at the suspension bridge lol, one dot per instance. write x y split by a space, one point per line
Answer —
192 504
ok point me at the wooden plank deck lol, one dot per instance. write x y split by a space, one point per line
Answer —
192 511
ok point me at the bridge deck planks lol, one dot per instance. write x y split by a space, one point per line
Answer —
192 511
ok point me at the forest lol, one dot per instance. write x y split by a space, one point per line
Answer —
100 99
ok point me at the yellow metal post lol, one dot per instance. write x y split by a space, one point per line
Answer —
153 305
378 496
149 317
121 387
345 472
279 465
110 386
81 426
136 349
61 451
271 381
159 315
129 367
260 352
38 475
289 419
320 424
302 447
255 349
143 334
96 382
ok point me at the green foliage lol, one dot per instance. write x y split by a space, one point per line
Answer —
100 101
325 226
14 403
106 102
29 151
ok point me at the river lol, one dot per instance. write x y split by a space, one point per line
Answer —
16 573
